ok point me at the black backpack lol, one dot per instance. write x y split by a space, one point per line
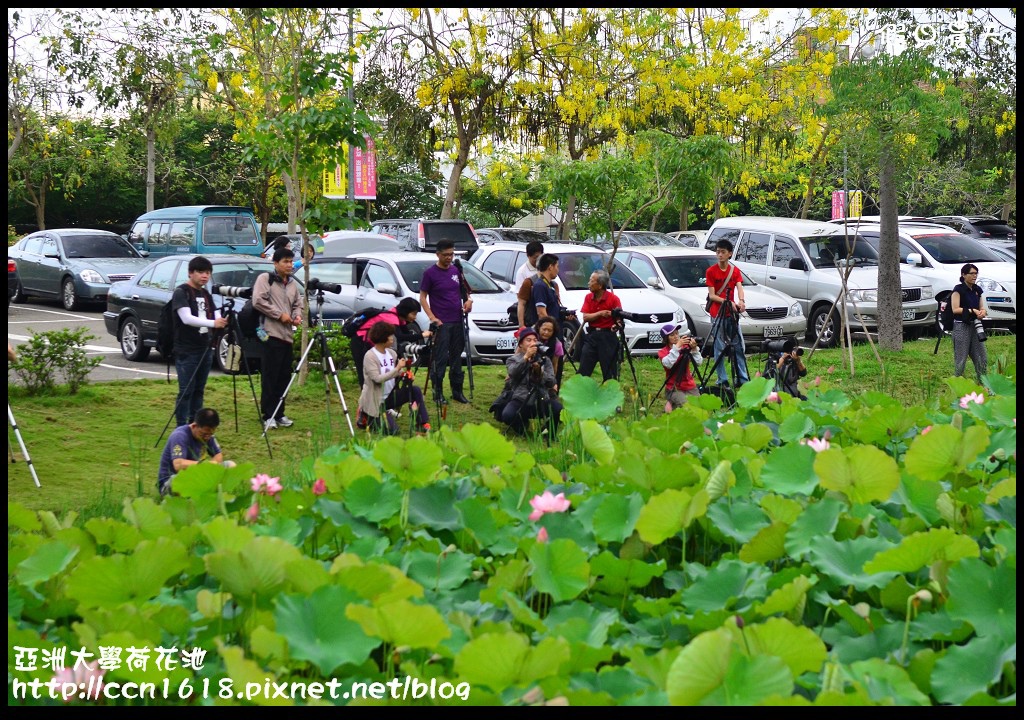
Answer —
165 332
351 326
248 319
946 313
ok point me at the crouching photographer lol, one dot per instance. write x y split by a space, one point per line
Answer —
530 379
789 368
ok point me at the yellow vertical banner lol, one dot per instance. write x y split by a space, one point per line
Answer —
335 179
856 203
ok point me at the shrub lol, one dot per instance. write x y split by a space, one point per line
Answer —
47 353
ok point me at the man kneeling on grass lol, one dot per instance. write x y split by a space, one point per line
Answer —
190 445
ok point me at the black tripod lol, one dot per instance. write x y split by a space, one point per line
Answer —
236 358
326 365
729 349
566 354
625 354
181 394
464 291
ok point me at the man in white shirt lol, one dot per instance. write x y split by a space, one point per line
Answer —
534 250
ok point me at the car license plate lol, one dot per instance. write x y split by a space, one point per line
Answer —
908 314
654 337
507 343
773 331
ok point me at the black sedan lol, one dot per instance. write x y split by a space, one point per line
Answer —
12 279
133 307
73 265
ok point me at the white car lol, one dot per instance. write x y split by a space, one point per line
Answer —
380 280
689 238
938 253
679 273
646 309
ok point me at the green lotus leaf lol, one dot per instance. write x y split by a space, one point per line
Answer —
720 480
885 683
482 443
756 436
256 571
753 393
402 623
922 549
116 579
862 473
729 585
502 660
20 517
1004 488
711 671
379 583
414 462
945 450
844 560
787 597
984 596
667 513
817 520
798 647
767 545
45 561
560 568
616 576
584 399
782 509
596 442
243 671
881 423
438 572
920 497
615 516
477 518
203 479
226 534
211 605
373 500
681 427
521 612
339 473
795 427
789 470
150 519
268 645
317 629
118 536
739 519
967 671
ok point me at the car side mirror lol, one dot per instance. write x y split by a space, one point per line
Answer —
51 254
914 259
144 253
387 289
654 282
797 264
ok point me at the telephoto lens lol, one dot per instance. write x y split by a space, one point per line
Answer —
232 291
318 284
980 329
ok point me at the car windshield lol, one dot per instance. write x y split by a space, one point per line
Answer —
994 227
237 274
955 249
687 272
233 230
412 272
520 235
575 269
98 246
650 238
826 250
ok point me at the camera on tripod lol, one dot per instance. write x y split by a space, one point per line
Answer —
782 346
318 285
232 291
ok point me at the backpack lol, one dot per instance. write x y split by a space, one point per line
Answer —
165 332
946 313
351 325
248 320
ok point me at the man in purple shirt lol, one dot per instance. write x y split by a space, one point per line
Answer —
444 295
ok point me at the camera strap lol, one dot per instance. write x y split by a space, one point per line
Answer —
725 284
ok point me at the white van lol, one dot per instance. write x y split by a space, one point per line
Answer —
804 258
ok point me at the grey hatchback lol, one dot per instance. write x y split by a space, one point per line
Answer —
73 264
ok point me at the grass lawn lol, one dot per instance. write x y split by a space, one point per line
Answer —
97 447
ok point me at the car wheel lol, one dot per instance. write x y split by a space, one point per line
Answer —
570 328
132 346
825 327
224 348
19 294
67 294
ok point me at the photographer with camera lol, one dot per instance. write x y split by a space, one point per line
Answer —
538 294
190 444
530 377
381 367
676 356
446 300
193 312
549 345
410 341
276 296
724 280
602 311
968 330
789 368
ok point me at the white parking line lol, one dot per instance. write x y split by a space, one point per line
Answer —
56 312
102 349
135 370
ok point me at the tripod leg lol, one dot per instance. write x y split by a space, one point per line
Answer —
24 450
329 366
469 352
298 367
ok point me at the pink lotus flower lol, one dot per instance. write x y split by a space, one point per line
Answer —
817 380
757 374
925 431
87 679
816 444
972 398
320 487
266 484
259 481
668 407
831 369
548 503
542 535
253 513
773 397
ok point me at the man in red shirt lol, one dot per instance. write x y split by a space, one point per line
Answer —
601 343
725 291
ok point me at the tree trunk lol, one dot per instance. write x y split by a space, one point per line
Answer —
1011 197
815 165
41 206
461 160
890 303
684 213
150 169
565 227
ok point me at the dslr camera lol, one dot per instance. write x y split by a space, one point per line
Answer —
232 291
318 285
782 346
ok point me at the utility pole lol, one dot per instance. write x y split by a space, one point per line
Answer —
352 104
